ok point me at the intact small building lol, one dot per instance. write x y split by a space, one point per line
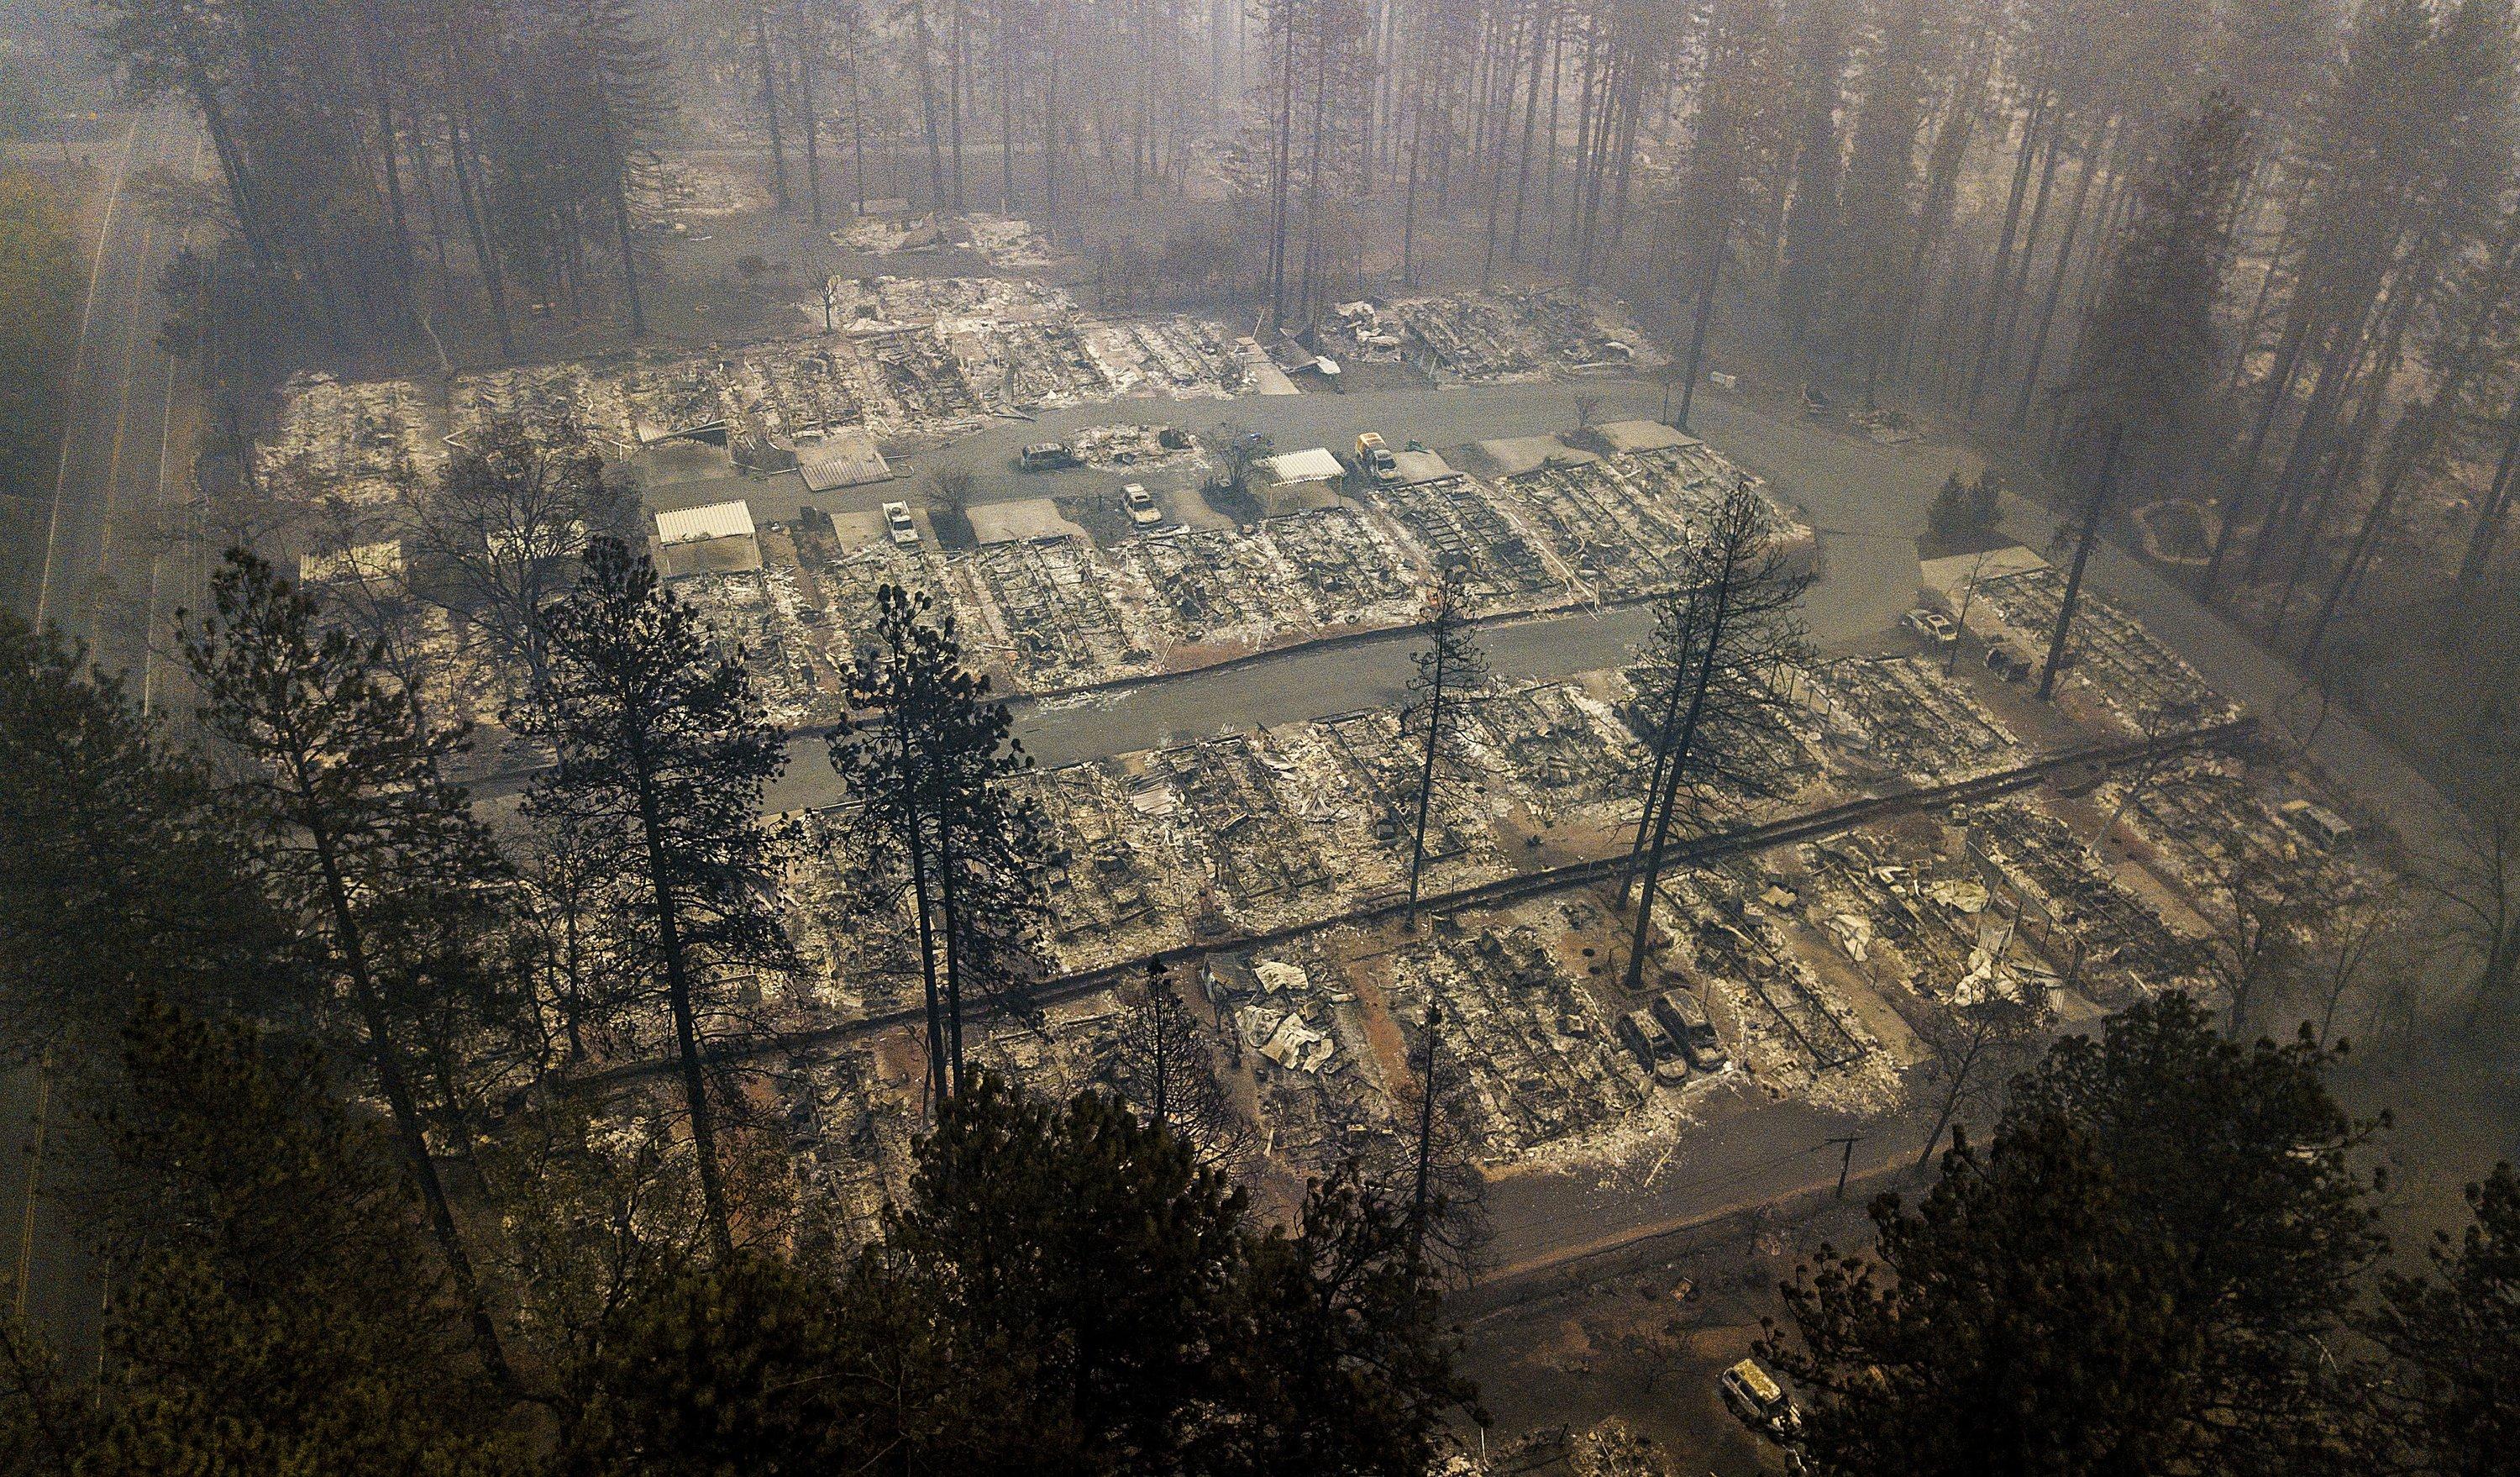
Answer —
718 538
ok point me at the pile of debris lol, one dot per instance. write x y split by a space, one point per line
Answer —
1184 357
2111 659
1506 337
1543 1065
1461 524
362 444
1908 716
1009 243
1134 445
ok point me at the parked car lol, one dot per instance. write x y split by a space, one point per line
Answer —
1143 509
897 522
1934 625
1759 1401
2321 827
1655 1048
1686 1020
1047 456
2007 662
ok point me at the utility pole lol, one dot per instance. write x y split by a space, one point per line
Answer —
1846 1161
1968 595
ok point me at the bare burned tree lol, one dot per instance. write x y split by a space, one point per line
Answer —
1430 1162
2262 912
2477 887
503 523
1974 1051
1728 642
1162 1066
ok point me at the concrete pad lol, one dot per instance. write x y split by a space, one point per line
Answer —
772 499
1513 455
663 464
856 530
844 458
1623 437
1266 377
1021 520
1188 508
1411 468
853 531
1950 574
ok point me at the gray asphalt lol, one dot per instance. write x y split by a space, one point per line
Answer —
100 577
89 560
1867 500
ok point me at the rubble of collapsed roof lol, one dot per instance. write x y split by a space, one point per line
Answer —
1057 612
909 361
2112 660
1007 243
675 188
1134 445
1278 857
1810 957
1275 858
1901 714
361 443
1493 337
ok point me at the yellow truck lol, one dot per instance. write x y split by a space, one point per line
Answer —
1373 459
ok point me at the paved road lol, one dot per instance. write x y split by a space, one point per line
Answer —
1867 500
90 560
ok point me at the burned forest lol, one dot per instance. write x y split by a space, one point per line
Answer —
1421 738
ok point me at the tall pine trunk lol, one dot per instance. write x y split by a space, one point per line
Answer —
2093 511
770 104
2092 163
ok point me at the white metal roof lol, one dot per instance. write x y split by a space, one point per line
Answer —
696 525
1313 465
360 562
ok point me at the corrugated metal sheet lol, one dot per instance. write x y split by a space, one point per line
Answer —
693 525
1313 465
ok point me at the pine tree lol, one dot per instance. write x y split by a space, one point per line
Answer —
360 839
1807 278
2147 1270
1877 226
1450 667
107 831
2148 345
927 756
274 1307
2452 1341
662 752
1161 1065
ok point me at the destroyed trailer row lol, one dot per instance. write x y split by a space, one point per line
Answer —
916 362
1493 337
1057 614
1819 970
1297 826
902 358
